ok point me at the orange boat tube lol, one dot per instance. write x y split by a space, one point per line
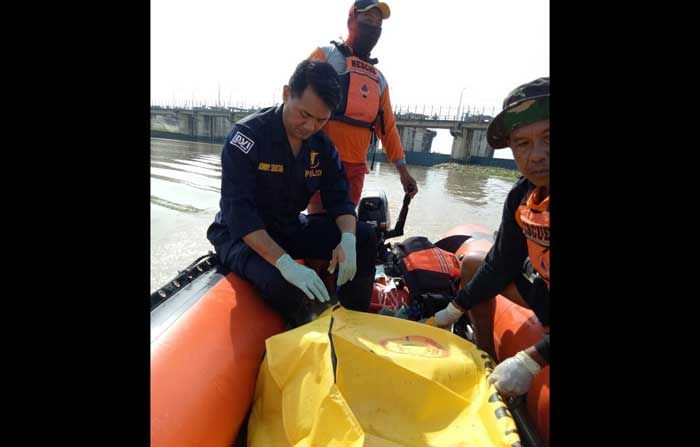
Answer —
205 361
515 328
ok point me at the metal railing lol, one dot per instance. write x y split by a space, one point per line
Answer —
204 107
466 114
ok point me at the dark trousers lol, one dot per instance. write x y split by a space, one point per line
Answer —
314 239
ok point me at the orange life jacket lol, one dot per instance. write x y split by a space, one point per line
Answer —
533 218
425 267
431 274
361 92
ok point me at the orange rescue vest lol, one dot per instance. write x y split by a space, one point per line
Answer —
533 218
361 92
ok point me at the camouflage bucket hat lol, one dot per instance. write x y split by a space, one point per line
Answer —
525 105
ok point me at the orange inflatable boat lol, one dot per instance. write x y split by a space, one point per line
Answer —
208 334
207 342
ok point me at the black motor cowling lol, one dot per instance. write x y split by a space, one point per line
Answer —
374 210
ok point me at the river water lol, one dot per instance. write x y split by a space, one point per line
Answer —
186 181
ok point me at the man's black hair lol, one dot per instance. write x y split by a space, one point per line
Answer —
321 77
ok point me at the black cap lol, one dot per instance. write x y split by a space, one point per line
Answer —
366 5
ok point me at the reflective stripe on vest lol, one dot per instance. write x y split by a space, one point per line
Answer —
434 260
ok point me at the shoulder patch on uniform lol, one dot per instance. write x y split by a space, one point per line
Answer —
242 142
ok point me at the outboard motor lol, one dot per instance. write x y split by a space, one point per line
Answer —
374 210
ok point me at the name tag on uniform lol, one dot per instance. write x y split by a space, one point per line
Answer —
313 173
270 167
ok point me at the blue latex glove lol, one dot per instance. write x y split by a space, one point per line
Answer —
344 254
302 277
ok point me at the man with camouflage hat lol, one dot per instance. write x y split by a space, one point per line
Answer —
522 125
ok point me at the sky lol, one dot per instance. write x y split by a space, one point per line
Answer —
431 52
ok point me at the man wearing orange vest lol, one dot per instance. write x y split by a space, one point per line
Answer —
523 125
366 108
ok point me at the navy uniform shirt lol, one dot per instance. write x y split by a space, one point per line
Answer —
263 186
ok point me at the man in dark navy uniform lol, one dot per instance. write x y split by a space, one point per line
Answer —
273 161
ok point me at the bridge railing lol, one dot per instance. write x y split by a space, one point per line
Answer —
466 114
204 108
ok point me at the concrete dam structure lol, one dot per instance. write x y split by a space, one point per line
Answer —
211 125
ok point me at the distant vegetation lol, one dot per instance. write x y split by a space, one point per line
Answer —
480 170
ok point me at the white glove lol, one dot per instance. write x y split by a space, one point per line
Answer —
447 316
513 376
302 277
348 264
